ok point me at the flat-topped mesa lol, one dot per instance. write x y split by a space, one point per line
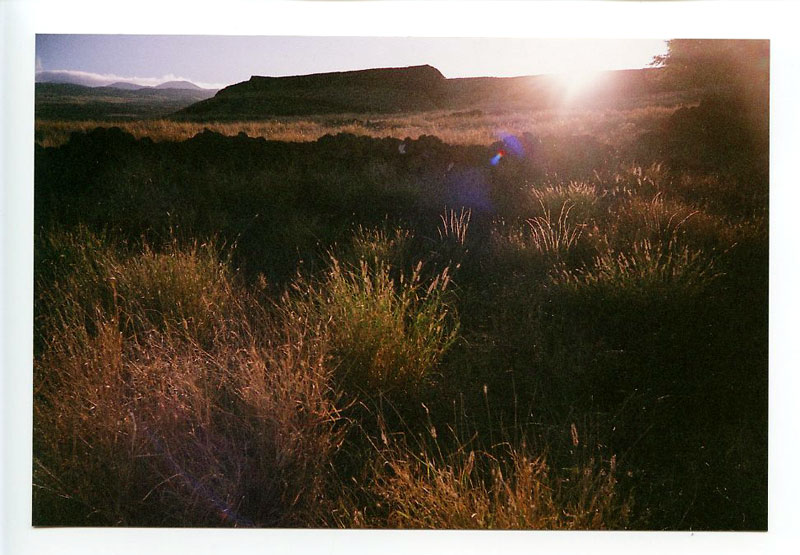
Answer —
385 90
414 78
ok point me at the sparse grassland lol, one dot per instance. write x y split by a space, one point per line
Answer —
344 332
453 127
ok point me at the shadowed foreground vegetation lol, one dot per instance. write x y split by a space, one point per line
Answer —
376 332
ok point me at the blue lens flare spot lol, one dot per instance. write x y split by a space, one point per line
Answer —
496 158
513 144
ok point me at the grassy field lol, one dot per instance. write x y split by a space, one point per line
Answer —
542 320
453 127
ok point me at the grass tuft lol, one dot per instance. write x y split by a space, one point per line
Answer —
507 488
385 333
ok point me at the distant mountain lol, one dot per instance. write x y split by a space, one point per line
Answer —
92 80
409 89
126 86
68 77
176 85
179 85
55 101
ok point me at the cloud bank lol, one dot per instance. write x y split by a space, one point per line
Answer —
89 79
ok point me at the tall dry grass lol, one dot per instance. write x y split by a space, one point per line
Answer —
462 128
141 419
510 488
171 391
386 333
181 287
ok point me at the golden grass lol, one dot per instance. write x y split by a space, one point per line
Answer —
385 333
161 431
166 394
505 489
452 127
159 407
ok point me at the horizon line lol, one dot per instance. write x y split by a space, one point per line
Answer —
154 82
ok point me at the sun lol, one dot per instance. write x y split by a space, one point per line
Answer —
575 83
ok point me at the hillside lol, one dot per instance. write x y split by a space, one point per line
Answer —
74 102
179 85
415 89
126 85
373 90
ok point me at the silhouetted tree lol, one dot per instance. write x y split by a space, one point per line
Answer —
738 67
729 130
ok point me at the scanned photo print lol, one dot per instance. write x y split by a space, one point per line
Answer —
400 283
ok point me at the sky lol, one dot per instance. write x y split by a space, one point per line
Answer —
216 61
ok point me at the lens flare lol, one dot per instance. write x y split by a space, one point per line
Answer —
512 143
496 158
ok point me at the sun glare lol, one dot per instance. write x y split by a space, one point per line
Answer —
576 83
